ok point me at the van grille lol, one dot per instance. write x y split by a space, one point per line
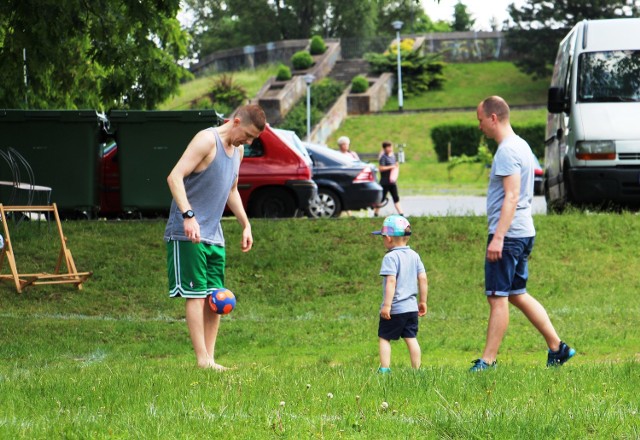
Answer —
629 156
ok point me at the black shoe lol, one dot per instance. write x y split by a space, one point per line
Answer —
557 358
481 365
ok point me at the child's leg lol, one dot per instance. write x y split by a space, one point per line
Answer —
385 353
414 352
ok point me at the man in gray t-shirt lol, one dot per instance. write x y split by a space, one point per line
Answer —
511 237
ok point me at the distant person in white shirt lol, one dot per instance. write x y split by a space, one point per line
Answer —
343 144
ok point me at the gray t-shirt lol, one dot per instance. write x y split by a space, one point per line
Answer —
514 156
405 264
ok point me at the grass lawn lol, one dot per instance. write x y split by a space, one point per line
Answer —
251 80
469 83
114 360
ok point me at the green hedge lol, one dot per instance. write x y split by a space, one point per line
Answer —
301 60
359 84
466 138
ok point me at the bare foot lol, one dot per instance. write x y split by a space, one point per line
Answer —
218 367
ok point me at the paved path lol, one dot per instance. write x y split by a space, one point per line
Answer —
447 206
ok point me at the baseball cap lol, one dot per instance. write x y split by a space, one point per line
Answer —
395 226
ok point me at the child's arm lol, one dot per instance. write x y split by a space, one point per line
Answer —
389 292
423 288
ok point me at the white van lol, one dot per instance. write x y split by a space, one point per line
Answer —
592 147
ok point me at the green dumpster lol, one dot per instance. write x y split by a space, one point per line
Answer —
149 145
62 147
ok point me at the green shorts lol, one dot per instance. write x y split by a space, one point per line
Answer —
195 269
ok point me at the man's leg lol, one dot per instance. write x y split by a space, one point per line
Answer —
211 326
195 315
414 352
497 327
537 315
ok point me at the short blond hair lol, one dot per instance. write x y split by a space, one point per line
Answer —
343 140
496 105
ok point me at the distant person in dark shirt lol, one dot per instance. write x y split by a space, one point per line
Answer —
389 168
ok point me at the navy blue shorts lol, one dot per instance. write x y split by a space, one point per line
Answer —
508 276
401 325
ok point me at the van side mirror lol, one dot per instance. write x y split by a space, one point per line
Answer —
556 102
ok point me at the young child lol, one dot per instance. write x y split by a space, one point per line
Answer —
404 276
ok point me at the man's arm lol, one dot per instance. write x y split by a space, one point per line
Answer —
511 185
234 202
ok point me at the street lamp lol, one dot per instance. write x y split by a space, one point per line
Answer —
397 25
308 78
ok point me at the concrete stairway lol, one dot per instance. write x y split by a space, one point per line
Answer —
345 70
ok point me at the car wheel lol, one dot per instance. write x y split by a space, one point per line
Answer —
325 204
273 203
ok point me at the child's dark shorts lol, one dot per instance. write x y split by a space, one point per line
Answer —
401 325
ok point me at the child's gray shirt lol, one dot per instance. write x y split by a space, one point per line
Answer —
405 264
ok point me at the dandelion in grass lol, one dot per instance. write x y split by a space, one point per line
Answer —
329 396
384 406
308 386
278 425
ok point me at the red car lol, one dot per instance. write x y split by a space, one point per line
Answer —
275 179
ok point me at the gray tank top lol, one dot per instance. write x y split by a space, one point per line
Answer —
207 192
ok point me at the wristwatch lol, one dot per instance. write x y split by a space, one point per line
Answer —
188 214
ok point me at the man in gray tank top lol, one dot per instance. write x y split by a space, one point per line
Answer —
202 183
511 237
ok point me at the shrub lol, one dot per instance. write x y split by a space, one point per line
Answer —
226 94
301 60
202 103
317 45
406 45
359 84
465 139
420 73
284 73
296 120
325 92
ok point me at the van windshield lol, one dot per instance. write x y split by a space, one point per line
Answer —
612 76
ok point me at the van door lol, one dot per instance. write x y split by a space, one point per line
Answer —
558 123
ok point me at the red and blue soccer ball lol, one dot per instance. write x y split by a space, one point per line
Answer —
222 301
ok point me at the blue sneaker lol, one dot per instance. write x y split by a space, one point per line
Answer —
480 365
383 370
557 358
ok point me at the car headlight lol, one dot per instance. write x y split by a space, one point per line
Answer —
596 150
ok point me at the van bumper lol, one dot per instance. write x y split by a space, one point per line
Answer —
304 191
597 185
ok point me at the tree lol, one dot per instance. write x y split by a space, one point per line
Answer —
352 19
220 25
411 13
462 20
540 25
100 54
